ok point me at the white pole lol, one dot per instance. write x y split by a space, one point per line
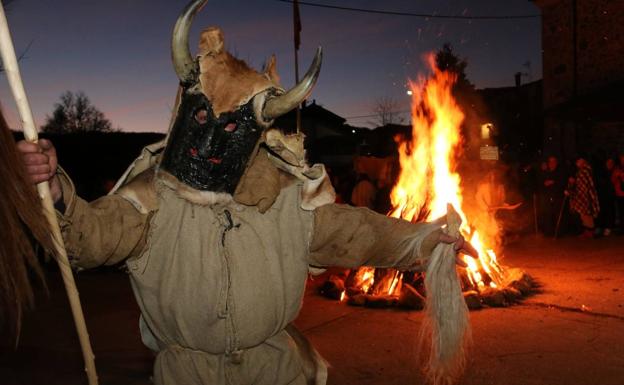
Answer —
30 133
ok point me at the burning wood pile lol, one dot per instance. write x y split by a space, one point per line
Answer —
388 288
427 182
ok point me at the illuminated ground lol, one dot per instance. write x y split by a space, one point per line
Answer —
571 333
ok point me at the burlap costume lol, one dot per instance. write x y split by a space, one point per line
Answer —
220 277
218 284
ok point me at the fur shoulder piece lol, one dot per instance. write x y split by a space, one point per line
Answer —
316 189
261 184
287 154
149 157
277 162
141 192
198 197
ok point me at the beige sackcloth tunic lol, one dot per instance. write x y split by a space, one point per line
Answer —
217 284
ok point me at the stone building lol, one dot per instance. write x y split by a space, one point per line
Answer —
583 76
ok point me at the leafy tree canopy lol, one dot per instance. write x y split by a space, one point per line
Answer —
75 113
447 60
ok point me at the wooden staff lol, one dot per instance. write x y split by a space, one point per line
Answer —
30 133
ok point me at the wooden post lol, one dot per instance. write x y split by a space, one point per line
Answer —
297 42
297 82
30 133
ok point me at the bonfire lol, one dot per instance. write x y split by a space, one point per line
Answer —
428 181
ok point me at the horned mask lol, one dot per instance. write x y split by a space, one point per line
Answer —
224 107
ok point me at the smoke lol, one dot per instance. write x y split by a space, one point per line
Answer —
492 183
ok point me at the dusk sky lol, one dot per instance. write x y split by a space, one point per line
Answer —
117 51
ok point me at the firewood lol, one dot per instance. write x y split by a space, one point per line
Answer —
512 294
410 298
473 300
353 291
350 280
522 285
380 301
333 287
493 297
379 279
529 281
466 284
357 300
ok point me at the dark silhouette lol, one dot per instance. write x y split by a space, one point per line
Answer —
75 113
447 60
388 111
551 186
606 196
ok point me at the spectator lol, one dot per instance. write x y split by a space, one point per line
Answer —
583 196
385 184
552 184
617 178
606 198
363 194
343 184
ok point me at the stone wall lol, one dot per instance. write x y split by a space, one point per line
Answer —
582 103
599 46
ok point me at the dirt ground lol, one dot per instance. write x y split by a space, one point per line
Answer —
572 332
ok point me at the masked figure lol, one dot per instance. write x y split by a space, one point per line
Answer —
220 226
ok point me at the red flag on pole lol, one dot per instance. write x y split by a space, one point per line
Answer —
296 24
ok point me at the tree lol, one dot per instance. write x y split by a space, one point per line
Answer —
75 113
387 111
7 4
447 60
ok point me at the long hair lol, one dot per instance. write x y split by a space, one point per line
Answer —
447 323
22 226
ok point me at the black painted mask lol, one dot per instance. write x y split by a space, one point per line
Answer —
209 153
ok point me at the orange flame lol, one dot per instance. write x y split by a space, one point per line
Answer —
365 278
428 176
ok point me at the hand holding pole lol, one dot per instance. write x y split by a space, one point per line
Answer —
30 133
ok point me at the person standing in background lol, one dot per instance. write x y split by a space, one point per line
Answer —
552 184
583 196
617 179
606 197
364 192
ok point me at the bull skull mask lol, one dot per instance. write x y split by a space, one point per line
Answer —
224 106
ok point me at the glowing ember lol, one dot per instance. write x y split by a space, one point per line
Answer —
365 277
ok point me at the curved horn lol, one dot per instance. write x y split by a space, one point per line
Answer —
280 105
183 63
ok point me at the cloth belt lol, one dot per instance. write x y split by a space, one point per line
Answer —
236 357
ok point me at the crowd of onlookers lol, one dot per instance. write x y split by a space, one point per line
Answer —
586 197
583 197
361 190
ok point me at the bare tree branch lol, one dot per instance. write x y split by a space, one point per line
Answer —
387 111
